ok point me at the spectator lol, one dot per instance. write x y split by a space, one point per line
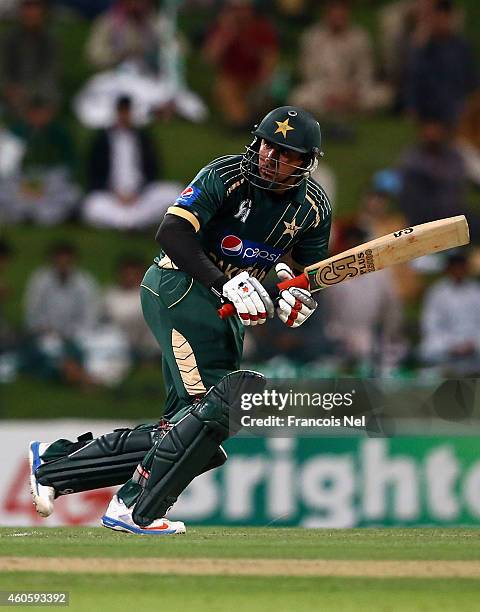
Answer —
440 71
122 307
403 25
363 319
450 321
468 138
433 177
139 55
61 306
126 32
400 24
29 58
43 190
106 357
123 177
60 297
243 47
378 214
298 11
8 8
336 67
11 153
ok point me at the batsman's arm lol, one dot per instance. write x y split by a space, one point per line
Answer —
176 235
398 247
193 209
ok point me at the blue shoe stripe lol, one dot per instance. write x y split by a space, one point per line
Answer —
36 463
34 447
110 522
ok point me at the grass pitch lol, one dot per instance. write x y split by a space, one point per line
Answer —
281 570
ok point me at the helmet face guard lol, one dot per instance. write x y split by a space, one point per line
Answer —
251 170
287 127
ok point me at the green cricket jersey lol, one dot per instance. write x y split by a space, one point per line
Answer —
242 227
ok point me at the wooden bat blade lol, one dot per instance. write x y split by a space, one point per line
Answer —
398 247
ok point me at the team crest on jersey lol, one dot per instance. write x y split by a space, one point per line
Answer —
188 195
243 210
291 228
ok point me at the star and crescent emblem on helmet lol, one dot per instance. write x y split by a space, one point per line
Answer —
283 127
290 228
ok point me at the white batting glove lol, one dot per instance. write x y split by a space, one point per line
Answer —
295 305
251 301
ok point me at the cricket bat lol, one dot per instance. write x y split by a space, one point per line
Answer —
398 247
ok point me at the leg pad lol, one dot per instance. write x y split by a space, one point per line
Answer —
191 444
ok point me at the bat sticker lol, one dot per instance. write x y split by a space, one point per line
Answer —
407 230
346 267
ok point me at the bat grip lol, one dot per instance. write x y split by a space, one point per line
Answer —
226 311
301 281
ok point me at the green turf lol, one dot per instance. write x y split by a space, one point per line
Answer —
268 543
249 594
223 594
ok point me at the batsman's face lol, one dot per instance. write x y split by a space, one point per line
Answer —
277 164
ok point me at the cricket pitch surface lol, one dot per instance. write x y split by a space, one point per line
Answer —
248 569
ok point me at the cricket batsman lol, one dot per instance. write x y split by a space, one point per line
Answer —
237 219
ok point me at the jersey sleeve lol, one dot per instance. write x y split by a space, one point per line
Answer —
313 246
201 199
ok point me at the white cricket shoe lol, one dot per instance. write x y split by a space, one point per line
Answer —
119 518
43 496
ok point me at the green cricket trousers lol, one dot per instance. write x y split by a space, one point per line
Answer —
198 347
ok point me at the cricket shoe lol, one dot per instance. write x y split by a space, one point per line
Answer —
119 518
43 496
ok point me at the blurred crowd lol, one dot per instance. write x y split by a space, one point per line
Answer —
421 68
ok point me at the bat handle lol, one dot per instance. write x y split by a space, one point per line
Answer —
226 311
301 281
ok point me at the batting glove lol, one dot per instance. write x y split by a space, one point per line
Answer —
294 305
251 301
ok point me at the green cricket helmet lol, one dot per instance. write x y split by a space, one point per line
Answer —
288 127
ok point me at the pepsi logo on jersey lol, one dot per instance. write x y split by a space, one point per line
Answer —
233 246
188 195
